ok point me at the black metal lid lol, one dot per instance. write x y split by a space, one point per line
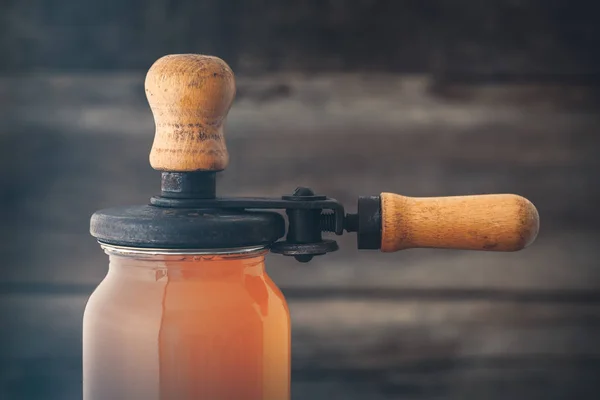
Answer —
149 226
186 215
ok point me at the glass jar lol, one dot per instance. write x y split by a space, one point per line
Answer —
186 325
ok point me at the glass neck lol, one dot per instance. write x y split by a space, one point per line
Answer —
152 264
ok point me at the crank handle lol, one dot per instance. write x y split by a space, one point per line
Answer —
494 222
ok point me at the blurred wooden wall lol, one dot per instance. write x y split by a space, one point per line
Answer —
490 38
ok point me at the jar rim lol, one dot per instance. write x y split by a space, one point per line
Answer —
142 251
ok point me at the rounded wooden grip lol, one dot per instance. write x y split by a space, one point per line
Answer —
190 96
496 222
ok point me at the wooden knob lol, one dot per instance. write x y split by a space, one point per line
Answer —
190 96
497 222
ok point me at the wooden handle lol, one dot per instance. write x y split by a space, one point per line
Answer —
497 222
190 96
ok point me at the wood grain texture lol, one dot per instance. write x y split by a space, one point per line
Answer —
496 222
190 96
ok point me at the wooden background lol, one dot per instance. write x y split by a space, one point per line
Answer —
461 38
350 99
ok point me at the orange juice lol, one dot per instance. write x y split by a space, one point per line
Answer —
186 326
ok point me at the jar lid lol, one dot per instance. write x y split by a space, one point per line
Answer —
150 226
